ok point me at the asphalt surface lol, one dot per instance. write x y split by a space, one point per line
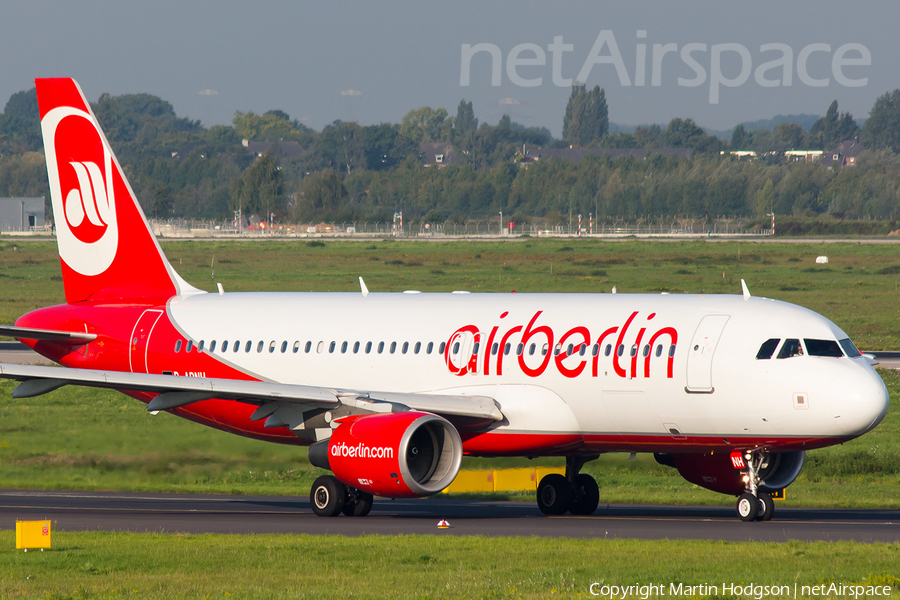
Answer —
171 513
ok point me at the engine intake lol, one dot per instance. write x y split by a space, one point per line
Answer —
397 455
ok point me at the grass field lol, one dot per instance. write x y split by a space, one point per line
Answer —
117 565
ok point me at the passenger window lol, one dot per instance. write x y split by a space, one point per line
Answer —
406 347
531 349
544 349
633 350
368 347
261 344
225 346
849 348
790 349
441 347
659 350
380 347
319 347
212 346
671 350
767 349
247 346
177 346
331 347
608 350
355 347
828 348
621 350
507 348
595 350
344 348
519 349
393 347
429 347
308 347
237 345
582 350
475 347
557 349
570 350
495 348
190 346
296 347
646 351
284 346
418 347
271 346
200 347
456 348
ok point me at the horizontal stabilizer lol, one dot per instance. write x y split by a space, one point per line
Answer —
50 335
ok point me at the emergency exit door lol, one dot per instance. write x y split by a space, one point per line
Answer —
701 351
140 339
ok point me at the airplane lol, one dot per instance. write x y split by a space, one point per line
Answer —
390 390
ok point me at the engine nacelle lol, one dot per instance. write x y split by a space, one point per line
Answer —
397 455
716 472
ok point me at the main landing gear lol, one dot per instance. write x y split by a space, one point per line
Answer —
329 498
575 492
754 504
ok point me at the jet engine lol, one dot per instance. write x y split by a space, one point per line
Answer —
716 472
397 455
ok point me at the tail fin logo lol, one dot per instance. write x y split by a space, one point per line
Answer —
80 169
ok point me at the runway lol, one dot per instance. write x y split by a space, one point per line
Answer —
182 513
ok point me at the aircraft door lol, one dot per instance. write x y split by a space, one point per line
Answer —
140 340
700 354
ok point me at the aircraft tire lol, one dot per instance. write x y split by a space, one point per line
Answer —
554 495
360 507
327 496
748 507
586 496
766 507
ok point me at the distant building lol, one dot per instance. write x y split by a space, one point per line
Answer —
803 155
280 149
844 155
437 155
21 214
576 154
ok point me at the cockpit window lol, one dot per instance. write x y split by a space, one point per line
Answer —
790 349
823 348
767 349
849 348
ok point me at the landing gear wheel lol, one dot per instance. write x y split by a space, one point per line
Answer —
327 496
586 496
359 507
554 495
748 507
766 507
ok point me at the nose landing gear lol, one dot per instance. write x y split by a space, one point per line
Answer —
754 504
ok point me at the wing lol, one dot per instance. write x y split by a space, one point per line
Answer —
27 333
283 405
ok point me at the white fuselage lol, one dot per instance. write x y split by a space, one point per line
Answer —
712 386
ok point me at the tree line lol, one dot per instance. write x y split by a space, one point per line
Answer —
352 172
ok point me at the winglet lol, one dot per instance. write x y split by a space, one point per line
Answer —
745 290
363 288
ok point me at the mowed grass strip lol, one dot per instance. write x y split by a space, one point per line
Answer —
128 565
858 288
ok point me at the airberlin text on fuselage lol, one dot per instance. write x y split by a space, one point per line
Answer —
630 355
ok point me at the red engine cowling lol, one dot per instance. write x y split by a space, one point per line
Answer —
716 471
397 455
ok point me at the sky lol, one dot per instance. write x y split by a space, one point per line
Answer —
718 63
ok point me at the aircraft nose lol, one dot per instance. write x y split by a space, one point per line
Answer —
859 402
